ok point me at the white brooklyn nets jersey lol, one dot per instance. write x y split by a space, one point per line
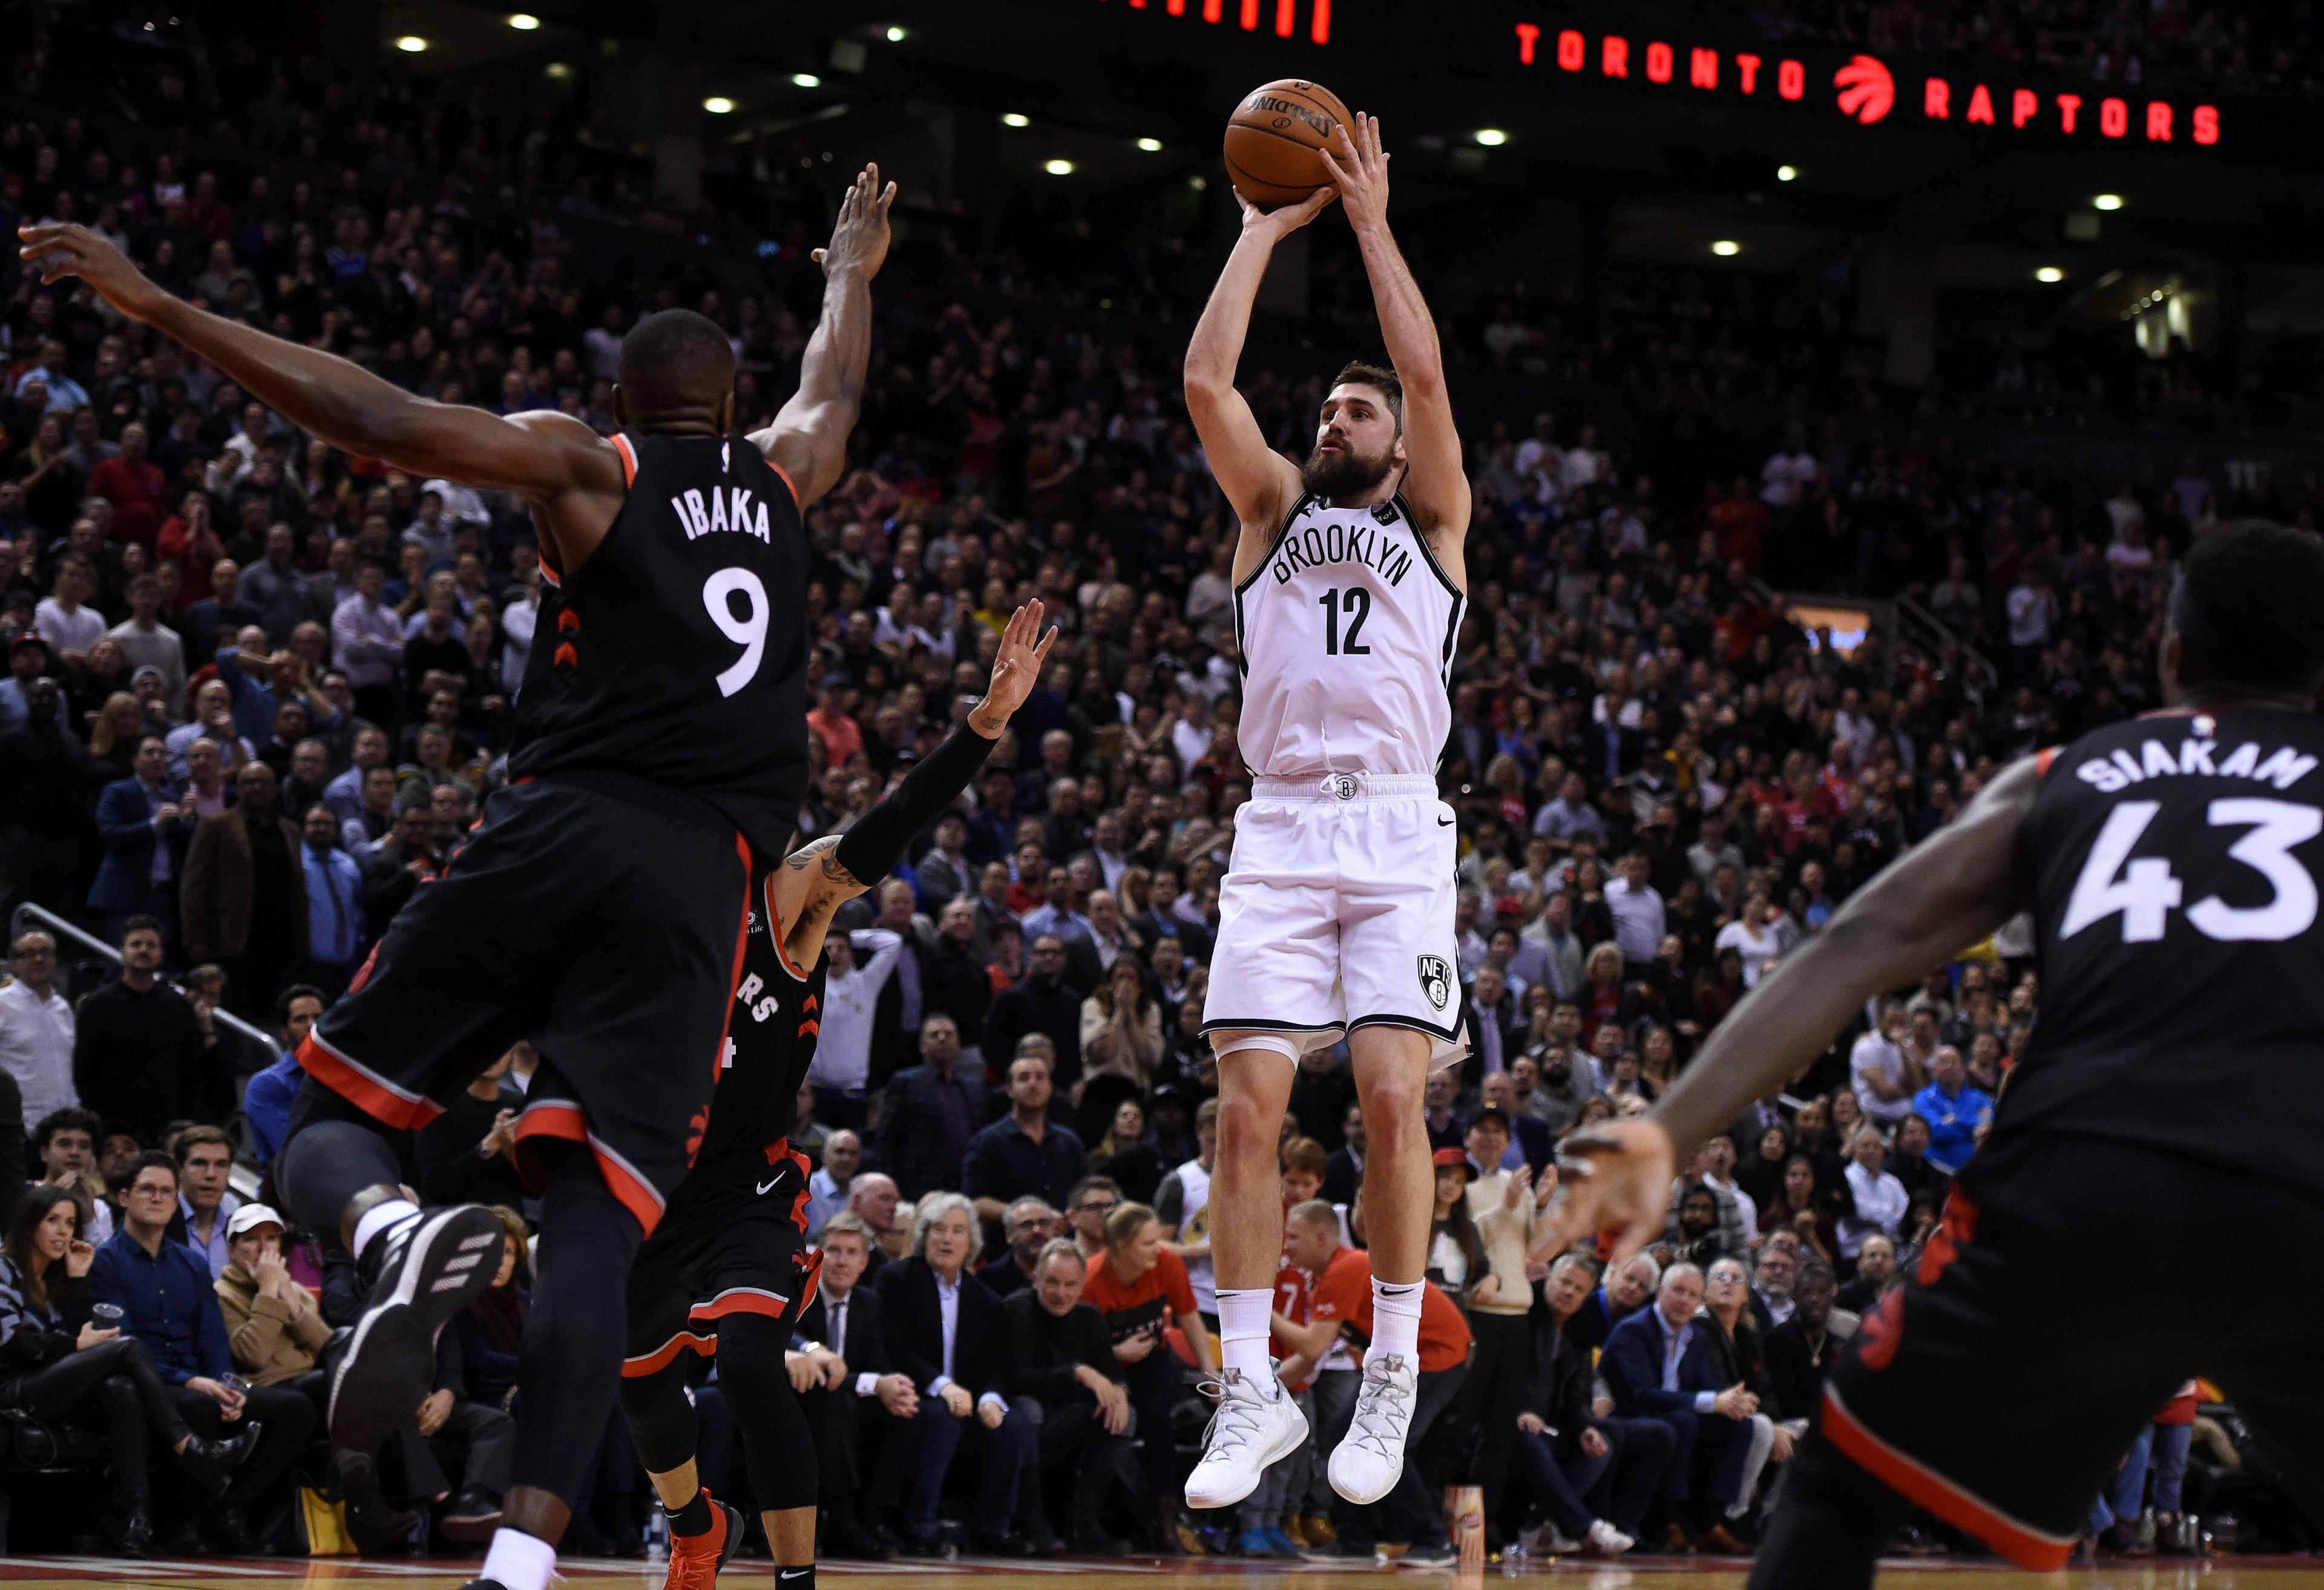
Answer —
1347 633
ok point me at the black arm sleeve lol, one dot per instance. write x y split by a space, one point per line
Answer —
871 848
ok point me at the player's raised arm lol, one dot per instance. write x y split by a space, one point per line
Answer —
1947 894
809 439
816 879
1258 480
546 458
1434 483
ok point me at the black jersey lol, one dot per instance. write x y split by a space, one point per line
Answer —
678 652
770 1037
2174 860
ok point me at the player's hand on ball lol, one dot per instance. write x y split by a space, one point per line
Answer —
859 241
1614 1179
1275 225
1358 167
1016 670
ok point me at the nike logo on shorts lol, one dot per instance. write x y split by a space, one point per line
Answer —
765 1185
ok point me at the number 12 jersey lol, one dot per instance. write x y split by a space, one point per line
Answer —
677 653
2174 860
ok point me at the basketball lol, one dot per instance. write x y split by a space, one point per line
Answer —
1272 139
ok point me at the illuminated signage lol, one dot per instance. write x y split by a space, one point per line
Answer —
1281 16
1866 90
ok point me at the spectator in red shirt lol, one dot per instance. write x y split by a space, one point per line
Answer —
135 487
1139 1285
841 736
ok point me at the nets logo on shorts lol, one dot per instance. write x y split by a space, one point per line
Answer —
1435 980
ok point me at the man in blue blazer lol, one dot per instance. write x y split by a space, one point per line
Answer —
141 826
1658 1365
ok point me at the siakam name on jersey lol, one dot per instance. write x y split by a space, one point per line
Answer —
729 508
2194 758
1340 543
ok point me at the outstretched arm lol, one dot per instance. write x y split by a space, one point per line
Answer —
543 457
1257 480
809 439
1947 895
816 880
1434 483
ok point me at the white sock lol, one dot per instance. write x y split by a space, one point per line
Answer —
1395 1321
381 1217
519 1560
1243 1316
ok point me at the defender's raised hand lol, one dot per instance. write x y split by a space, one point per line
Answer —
1359 166
57 249
1015 670
859 241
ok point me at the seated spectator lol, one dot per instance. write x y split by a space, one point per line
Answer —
205 1205
872 1198
491 1329
1877 1200
1875 1268
277 1332
1063 1370
928 1114
946 1333
1028 1228
1141 1288
1740 1358
164 1290
1658 1364
1126 1154
1025 1153
64 1149
843 1317
266 1099
59 1366
1954 1112
1089 1206
1800 1352
1594 1476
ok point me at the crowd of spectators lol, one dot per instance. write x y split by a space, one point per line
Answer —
256 687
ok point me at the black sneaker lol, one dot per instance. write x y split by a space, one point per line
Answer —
210 1463
430 1267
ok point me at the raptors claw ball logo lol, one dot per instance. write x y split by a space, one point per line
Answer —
1866 89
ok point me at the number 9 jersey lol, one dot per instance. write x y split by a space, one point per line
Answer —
2174 861
677 653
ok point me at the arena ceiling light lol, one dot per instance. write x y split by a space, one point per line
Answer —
718 105
523 22
2049 274
559 70
1491 137
895 35
805 80
1013 119
2107 202
1150 146
1727 248
411 44
1787 174
1058 167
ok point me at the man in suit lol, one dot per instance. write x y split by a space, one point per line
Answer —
243 899
1062 1371
139 822
945 871
1492 1019
1042 1002
855 1404
929 1113
1657 1363
946 1332
959 973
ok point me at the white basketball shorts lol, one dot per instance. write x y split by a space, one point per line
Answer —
1337 913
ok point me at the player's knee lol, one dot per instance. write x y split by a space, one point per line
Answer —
660 1419
750 1351
1394 1111
1245 1132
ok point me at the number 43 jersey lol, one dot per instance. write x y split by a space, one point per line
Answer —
1347 633
677 653
2174 862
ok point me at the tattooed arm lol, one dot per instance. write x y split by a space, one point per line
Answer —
816 880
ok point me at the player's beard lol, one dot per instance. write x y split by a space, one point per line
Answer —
1335 477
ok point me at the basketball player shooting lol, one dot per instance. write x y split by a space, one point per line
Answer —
2169 863
599 909
1337 910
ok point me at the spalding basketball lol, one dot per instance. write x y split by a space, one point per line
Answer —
1273 137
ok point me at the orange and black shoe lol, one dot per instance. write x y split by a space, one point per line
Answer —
694 1559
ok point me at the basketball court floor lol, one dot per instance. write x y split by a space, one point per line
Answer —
59 1573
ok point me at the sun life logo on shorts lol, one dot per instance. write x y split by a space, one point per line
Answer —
1435 980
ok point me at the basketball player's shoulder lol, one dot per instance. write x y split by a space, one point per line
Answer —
597 462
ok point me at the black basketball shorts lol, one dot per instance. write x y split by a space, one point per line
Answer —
2075 1283
734 1243
598 916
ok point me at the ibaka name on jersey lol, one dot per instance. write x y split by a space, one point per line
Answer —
728 507
1319 544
